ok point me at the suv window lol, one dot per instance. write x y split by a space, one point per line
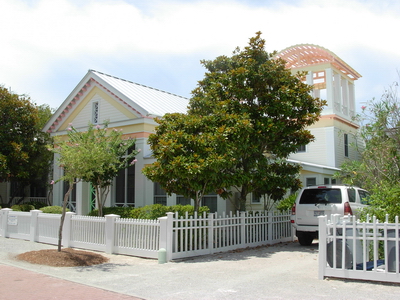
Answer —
315 196
352 195
363 196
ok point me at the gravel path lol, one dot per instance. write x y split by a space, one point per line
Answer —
283 271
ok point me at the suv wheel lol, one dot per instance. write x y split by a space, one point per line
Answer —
305 239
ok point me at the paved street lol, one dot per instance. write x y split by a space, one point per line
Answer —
283 271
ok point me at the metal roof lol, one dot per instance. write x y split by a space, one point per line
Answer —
154 102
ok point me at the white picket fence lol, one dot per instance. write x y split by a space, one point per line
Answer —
359 250
200 235
177 237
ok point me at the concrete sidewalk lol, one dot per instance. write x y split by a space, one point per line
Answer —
283 271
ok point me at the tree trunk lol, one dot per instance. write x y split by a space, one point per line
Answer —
101 196
66 196
242 199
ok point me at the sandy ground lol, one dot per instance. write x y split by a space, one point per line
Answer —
283 271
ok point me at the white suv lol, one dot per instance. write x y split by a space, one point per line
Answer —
314 201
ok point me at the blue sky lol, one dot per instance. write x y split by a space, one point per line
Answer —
47 46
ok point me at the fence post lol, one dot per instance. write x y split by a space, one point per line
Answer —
211 232
110 232
322 248
66 232
34 225
270 224
166 234
243 228
4 222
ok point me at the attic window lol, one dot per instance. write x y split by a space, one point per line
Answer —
95 112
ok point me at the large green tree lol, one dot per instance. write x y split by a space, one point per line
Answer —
194 152
256 88
279 107
379 168
23 156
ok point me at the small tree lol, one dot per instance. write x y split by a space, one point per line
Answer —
379 168
95 156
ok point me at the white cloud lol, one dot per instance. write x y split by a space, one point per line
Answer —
45 37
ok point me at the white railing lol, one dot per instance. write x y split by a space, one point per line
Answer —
359 250
177 237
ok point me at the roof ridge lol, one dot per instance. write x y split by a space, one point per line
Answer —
149 87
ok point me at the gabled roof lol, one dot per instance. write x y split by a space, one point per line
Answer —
146 102
154 102
300 56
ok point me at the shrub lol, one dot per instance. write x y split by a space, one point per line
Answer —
287 203
151 212
37 204
383 201
124 212
52 209
22 207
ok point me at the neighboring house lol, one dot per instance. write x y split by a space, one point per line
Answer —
132 108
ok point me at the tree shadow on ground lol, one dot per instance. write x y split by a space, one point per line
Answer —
106 267
248 253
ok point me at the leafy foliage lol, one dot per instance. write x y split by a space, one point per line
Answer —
23 155
22 207
245 117
379 169
287 203
194 151
152 212
55 209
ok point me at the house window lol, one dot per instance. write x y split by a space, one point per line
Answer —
160 195
311 181
210 201
326 180
182 200
95 112
346 145
125 186
301 148
255 199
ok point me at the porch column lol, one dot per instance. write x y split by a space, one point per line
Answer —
140 179
329 91
338 94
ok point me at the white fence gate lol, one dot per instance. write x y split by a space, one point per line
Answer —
359 250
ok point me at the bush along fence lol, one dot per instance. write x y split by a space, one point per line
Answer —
359 250
167 238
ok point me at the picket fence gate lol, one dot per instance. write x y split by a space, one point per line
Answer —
352 249
177 237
